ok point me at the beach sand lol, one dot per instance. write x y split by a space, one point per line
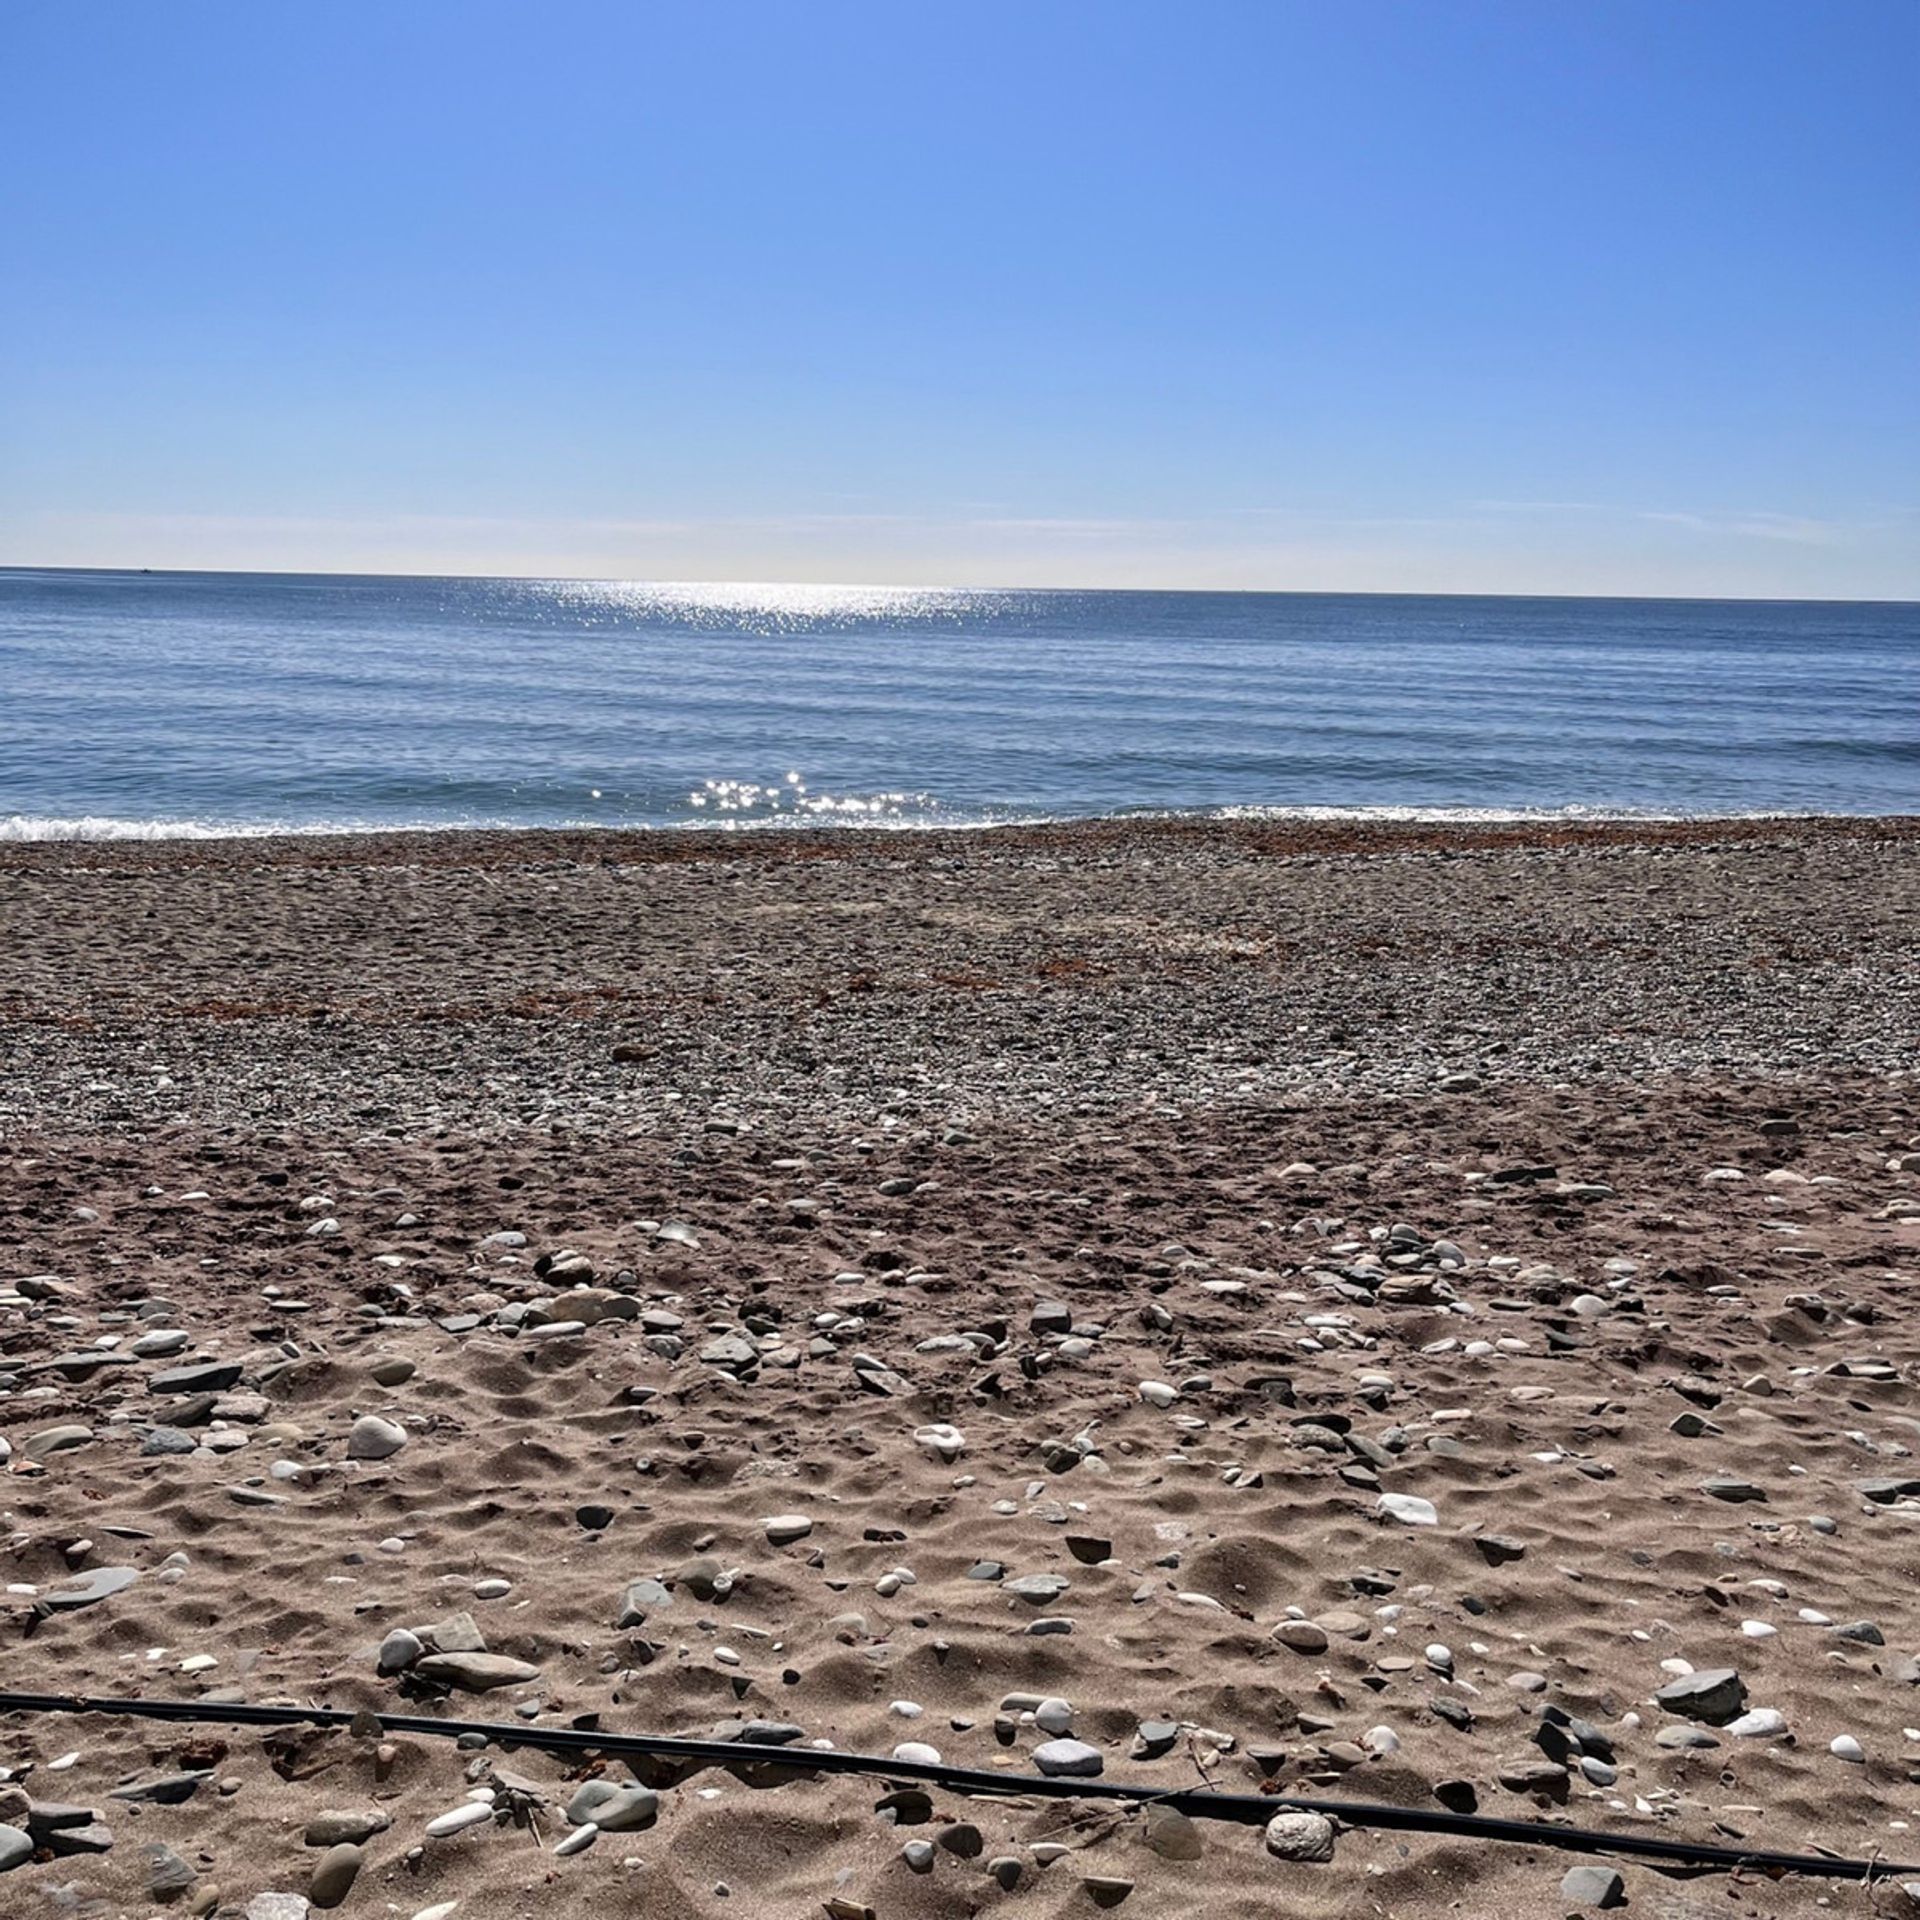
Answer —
1566 1181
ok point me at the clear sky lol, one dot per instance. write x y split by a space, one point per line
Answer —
1531 295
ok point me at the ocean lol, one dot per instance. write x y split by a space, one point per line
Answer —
155 704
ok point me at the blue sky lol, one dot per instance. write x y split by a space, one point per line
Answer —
1472 295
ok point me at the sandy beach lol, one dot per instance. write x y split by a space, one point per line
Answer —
1348 1312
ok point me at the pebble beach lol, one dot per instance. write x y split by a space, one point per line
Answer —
1389 1314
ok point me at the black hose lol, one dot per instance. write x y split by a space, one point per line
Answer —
1249 1809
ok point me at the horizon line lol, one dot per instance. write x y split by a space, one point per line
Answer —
877 586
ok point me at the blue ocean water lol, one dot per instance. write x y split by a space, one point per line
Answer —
174 702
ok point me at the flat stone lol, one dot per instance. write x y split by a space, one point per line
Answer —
51 1440
1408 1509
160 1441
336 1829
1172 1835
1598 1887
96 1584
1037 1589
1073 1758
168 1876
1726 1487
164 1789
15 1847
457 1633
782 1529
630 1810
1714 1694
476 1672
643 1597
92 1839
213 1376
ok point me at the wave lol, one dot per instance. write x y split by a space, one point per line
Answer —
21 828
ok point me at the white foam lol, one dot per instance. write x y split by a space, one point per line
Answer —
92 826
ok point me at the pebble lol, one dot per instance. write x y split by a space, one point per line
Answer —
334 1875
373 1438
1073 1758
459 1819
782 1529
1409 1509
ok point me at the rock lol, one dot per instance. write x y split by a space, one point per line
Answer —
334 1875
578 1841
1053 1715
210 1377
1408 1509
277 1906
1302 1636
92 1838
459 1819
1761 1724
594 1517
1496 1549
945 1443
1106 1889
1006 1870
1847 1748
1072 1758
1727 1487
1037 1589
15 1847
782 1529
51 1440
476 1672
164 1789
374 1439
643 1597
627 1810
701 1577
398 1651
344 1829
168 1876
96 1584
1172 1835
1088 1549
392 1372
159 1441
1714 1694
1300 1836
919 1856
1597 1887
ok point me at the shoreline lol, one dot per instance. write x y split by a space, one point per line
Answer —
1269 837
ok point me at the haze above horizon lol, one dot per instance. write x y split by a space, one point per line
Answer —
1490 298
